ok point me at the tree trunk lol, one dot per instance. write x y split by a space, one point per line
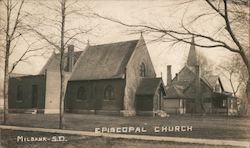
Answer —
248 90
248 95
246 60
6 86
6 65
62 96
62 77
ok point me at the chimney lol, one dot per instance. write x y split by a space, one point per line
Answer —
70 57
169 75
177 76
197 76
198 99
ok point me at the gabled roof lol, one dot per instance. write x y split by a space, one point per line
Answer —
148 86
178 89
182 84
54 61
14 75
187 77
22 76
106 61
210 82
174 92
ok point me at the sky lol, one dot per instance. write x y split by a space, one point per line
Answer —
167 13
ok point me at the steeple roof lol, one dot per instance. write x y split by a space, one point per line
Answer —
192 56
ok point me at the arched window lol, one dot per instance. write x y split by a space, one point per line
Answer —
109 93
19 96
81 93
142 70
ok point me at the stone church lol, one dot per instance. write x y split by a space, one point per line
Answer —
191 92
116 78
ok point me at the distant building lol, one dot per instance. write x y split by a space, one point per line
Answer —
190 92
116 78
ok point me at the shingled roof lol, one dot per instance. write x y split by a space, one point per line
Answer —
174 92
104 61
148 86
54 61
212 80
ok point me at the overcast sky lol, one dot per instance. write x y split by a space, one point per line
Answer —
165 13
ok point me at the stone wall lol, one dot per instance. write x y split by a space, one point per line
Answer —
133 78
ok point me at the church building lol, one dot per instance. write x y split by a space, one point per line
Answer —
116 78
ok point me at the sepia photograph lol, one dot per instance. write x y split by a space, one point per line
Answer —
124 73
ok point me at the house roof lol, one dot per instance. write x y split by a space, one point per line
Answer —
14 75
178 88
182 84
212 80
54 61
174 91
104 61
187 75
148 86
21 76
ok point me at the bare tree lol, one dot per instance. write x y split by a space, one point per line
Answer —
12 30
236 73
235 17
64 34
206 65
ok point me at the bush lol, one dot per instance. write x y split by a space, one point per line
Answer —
161 113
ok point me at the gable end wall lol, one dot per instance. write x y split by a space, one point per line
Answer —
133 78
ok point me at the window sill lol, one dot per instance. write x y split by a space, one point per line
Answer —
77 100
108 100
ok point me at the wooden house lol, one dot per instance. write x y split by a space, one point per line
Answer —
190 92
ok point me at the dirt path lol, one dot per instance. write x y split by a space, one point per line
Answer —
23 136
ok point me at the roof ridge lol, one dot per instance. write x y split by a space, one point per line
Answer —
151 78
113 43
201 77
67 52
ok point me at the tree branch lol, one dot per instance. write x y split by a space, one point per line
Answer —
42 36
17 19
214 8
174 34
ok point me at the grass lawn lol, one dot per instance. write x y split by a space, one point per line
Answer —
9 140
231 128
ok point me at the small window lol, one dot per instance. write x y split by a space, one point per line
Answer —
81 93
231 103
109 93
142 70
19 96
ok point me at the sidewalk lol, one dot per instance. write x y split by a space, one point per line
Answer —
136 137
